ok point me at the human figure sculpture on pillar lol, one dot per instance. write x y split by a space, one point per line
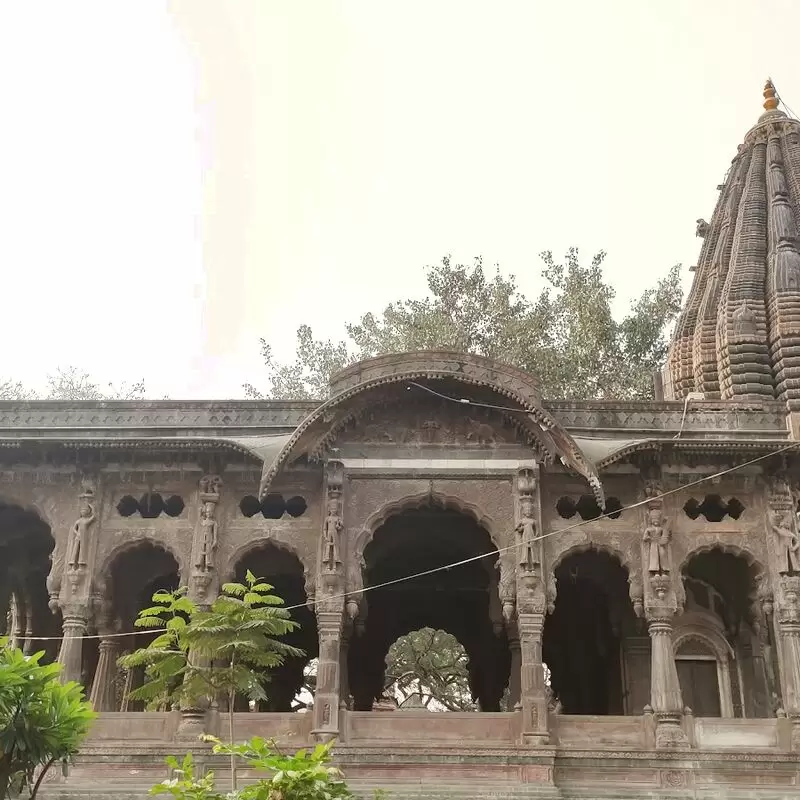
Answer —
657 537
788 543
330 534
78 541
209 531
789 626
526 534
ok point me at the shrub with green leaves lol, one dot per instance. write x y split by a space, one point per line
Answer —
42 720
306 775
227 649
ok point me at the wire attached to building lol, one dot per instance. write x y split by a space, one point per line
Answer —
493 553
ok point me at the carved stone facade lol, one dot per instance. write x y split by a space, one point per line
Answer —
623 577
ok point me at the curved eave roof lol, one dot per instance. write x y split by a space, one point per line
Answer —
263 448
605 452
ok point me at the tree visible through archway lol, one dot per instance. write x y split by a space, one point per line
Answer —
420 541
430 669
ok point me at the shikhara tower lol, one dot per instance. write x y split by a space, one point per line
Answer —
440 490
738 337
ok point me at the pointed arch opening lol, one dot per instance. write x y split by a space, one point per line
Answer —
131 578
26 549
290 686
461 600
725 649
583 638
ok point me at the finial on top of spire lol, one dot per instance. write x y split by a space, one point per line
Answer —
770 98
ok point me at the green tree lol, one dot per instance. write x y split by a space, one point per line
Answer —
42 720
306 775
227 649
567 337
431 666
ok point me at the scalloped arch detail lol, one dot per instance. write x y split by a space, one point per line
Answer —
28 504
417 500
254 545
745 553
707 635
590 546
134 543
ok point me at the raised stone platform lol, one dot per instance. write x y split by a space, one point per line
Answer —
466 756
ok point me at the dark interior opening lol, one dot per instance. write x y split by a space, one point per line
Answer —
582 636
455 600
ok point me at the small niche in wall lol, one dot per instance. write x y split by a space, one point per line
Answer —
296 506
587 508
273 506
151 505
713 508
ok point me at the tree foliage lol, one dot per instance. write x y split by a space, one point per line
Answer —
71 383
568 336
306 775
227 649
42 720
429 666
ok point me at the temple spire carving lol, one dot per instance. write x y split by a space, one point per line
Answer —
740 328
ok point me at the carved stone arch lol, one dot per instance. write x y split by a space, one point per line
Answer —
416 500
633 570
694 626
133 543
741 551
472 378
254 545
758 571
32 506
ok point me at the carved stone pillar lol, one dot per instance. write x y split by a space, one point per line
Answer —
203 585
665 689
103 695
330 606
789 627
531 605
532 689
27 645
70 655
515 680
75 592
17 624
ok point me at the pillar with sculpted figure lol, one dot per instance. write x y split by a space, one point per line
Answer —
661 605
330 606
74 597
531 604
789 627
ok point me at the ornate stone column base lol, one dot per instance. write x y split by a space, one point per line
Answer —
794 721
669 732
192 726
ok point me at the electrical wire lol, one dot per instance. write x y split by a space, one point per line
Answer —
493 553
465 402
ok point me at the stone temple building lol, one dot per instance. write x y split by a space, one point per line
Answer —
646 552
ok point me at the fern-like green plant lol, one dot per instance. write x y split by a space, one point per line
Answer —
227 649
165 659
239 635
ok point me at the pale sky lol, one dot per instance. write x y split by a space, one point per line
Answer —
180 178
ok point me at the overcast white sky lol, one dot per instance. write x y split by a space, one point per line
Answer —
180 178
